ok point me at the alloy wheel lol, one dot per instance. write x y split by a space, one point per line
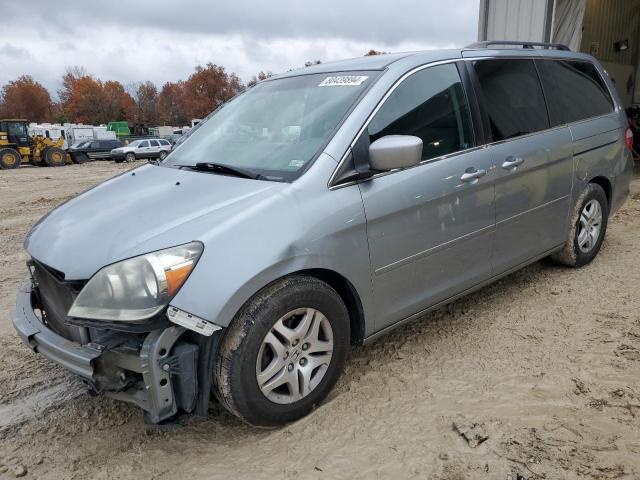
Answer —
294 355
590 225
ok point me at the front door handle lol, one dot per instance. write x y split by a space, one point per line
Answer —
512 162
471 175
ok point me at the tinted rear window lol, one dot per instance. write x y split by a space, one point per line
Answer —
575 91
513 97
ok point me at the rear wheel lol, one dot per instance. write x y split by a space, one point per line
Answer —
79 158
587 228
9 158
283 352
163 155
55 157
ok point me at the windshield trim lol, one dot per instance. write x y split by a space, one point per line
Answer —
374 74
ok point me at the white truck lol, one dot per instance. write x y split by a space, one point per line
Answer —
80 133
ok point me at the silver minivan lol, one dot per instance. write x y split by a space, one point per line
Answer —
319 209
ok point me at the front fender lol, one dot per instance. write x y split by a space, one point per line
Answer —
305 227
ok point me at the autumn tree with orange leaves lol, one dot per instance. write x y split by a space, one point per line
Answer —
86 99
83 99
25 98
207 88
171 109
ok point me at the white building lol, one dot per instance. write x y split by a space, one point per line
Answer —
607 29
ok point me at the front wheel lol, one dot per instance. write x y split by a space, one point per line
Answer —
587 228
55 157
130 157
283 352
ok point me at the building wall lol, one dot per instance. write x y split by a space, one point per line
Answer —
609 21
605 23
526 20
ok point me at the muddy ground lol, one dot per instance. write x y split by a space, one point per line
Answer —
540 372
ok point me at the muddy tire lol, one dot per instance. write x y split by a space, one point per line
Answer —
247 365
9 159
79 158
55 157
587 228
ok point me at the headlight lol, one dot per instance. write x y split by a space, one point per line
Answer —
138 288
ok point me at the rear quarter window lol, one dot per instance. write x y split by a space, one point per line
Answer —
512 97
574 89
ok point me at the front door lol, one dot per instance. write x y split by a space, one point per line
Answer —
430 227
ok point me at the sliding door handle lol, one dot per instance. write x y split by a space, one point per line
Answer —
512 162
471 175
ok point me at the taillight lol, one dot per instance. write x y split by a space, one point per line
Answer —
628 136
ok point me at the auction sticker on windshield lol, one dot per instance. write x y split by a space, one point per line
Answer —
344 80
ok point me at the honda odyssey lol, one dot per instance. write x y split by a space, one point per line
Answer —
318 209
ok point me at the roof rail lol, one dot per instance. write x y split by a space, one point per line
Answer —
529 45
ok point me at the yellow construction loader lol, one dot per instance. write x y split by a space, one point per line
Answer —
17 146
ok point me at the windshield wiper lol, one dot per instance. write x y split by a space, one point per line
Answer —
223 169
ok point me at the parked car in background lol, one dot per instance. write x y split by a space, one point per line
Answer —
147 148
82 152
320 209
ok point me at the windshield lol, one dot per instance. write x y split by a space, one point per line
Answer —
275 128
17 129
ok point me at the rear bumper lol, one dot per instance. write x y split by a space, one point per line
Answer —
156 371
72 356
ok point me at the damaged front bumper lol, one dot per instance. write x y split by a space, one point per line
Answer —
156 370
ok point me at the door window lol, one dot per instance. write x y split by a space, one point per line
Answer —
431 105
513 97
575 91
144 144
154 143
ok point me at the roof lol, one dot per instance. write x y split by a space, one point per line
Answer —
410 60
371 62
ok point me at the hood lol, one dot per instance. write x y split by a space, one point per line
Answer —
142 210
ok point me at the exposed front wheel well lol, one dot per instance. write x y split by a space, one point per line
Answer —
349 296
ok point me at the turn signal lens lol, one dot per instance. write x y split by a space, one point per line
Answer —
176 276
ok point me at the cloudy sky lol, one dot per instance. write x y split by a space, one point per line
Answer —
162 40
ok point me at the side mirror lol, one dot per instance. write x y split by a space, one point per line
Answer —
395 151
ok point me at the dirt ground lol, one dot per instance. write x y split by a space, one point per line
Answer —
536 376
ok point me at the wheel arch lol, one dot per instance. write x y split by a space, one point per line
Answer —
349 296
605 183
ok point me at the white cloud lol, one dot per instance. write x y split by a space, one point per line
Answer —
155 41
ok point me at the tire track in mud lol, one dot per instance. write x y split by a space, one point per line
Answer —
31 385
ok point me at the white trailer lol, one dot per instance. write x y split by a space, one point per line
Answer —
81 133
163 131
